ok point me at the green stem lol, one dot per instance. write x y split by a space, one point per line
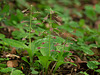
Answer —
30 27
50 26
30 33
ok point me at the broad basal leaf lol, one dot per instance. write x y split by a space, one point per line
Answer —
44 61
14 43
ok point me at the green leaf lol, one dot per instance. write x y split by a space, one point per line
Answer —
97 8
22 2
14 43
57 65
93 45
5 9
71 63
2 36
44 61
33 71
78 33
92 64
74 24
58 39
3 65
19 15
13 19
88 29
45 47
84 73
5 70
90 13
16 72
87 50
30 52
95 62
98 70
19 34
24 58
77 13
82 22
3 59
66 27
34 46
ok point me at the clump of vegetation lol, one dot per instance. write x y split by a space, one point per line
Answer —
49 37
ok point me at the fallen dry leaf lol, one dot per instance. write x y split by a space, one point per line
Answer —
12 63
12 56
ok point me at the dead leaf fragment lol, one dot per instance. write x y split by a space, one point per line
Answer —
12 63
12 56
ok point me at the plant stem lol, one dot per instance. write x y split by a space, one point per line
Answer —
31 60
30 27
11 71
50 26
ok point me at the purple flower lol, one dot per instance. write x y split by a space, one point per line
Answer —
66 45
43 43
51 29
56 44
24 21
46 18
70 43
64 50
38 47
71 51
54 37
23 38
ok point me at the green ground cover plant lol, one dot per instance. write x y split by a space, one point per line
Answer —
54 37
